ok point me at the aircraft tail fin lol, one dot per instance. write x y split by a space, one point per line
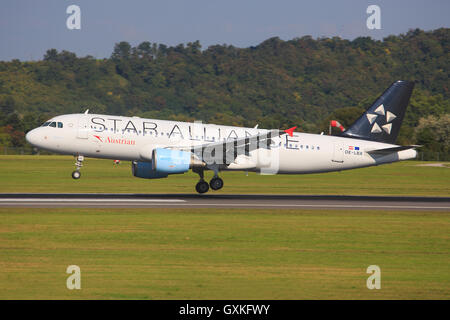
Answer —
382 120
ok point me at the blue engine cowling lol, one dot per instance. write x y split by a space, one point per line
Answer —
170 161
145 170
164 162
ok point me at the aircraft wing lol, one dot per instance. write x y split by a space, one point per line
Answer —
225 152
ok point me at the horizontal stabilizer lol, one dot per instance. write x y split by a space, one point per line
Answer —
391 150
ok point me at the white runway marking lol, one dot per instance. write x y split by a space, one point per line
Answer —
314 206
76 200
187 203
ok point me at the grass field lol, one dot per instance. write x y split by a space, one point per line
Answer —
52 174
222 253
225 254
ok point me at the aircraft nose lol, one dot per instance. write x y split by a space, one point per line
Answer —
32 137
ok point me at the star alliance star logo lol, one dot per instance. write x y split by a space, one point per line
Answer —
380 112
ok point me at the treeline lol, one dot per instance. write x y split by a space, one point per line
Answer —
304 82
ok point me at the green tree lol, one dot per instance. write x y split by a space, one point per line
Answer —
346 116
276 84
122 51
7 105
434 133
51 55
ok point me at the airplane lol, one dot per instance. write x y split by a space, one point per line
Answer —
159 148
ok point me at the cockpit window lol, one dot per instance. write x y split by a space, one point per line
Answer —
52 124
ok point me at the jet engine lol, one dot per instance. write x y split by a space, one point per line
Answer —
171 161
144 170
165 162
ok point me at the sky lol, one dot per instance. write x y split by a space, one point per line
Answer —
28 28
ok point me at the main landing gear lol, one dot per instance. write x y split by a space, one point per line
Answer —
202 186
216 183
77 174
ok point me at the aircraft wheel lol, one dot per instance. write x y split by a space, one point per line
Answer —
202 186
76 174
216 183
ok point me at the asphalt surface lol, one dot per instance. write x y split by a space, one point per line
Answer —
261 201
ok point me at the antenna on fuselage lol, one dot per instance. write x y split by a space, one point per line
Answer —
256 127
87 111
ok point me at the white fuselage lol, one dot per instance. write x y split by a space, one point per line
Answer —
133 138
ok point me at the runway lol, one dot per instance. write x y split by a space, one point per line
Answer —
256 201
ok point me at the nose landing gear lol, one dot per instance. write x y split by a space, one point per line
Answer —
77 174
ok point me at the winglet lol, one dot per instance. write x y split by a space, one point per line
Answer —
290 131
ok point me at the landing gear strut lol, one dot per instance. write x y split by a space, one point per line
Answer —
202 186
77 174
216 183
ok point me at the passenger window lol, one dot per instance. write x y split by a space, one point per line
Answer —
60 125
53 124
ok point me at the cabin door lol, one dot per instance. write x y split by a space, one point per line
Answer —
82 127
338 154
